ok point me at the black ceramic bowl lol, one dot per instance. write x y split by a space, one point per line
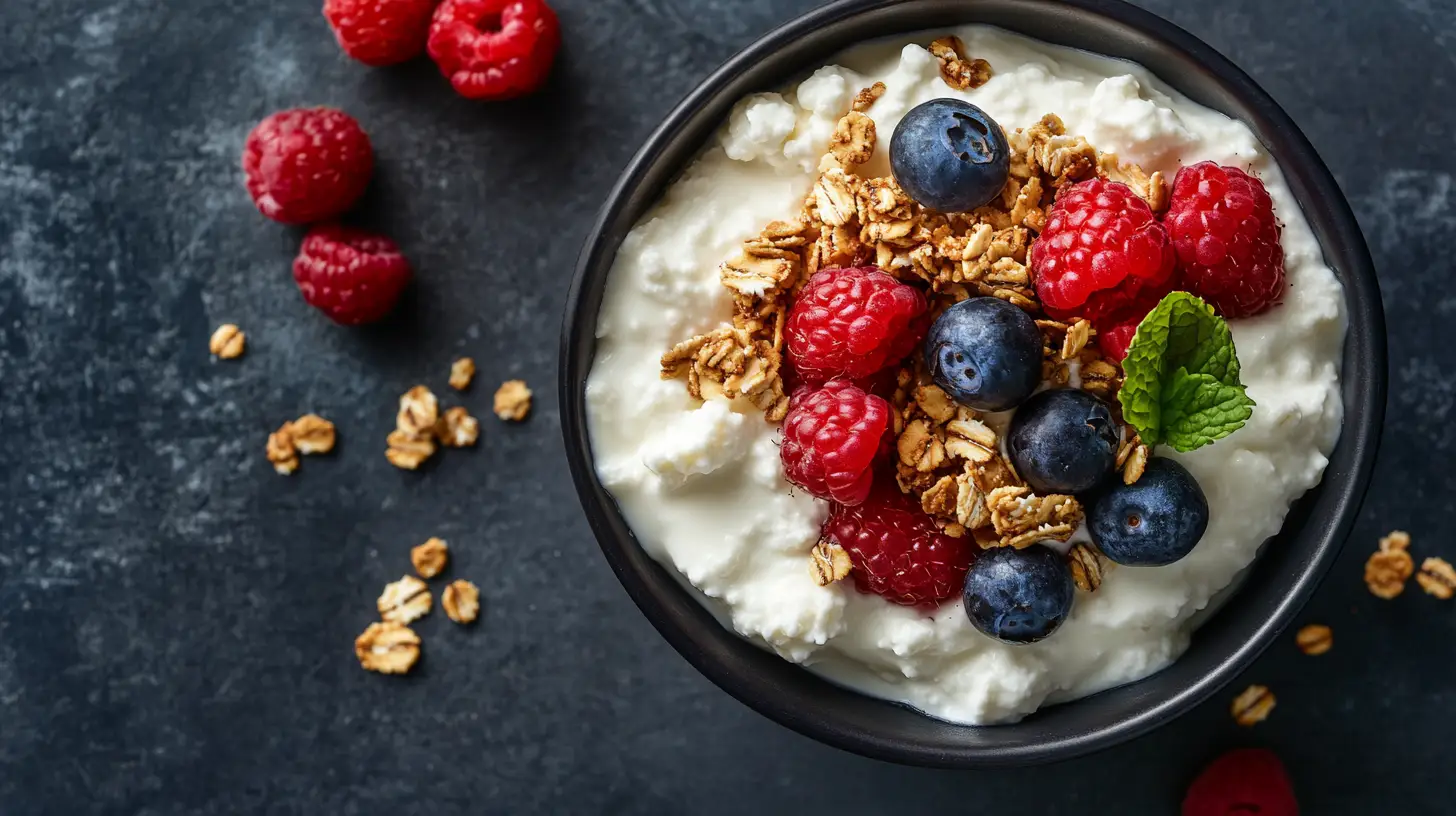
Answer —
1281 580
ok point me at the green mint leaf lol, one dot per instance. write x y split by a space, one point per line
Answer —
1182 376
1199 410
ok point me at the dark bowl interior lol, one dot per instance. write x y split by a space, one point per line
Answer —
1280 582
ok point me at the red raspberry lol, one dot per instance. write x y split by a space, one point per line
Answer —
495 49
380 32
897 551
307 164
852 323
1115 332
1223 228
831 438
1241 783
1100 248
350 275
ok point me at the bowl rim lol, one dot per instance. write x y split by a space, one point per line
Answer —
1365 344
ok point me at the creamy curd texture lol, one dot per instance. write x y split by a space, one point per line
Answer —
701 483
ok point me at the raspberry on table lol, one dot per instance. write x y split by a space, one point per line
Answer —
1242 781
852 323
1101 247
350 275
307 164
380 32
1222 223
897 551
832 437
494 49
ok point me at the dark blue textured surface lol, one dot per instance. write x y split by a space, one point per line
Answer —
175 620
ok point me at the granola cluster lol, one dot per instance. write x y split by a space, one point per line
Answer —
420 427
947 456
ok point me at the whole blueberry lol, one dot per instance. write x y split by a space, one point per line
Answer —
950 156
985 353
1063 441
1154 521
1019 596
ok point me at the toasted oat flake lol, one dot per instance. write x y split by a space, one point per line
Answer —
312 434
1252 705
430 558
513 400
418 412
405 600
1076 340
957 71
408 452
461 601
1437 578
829 562
387 648
854 139
1315 639
228 342
462 371
1137 462
1388 568
867 97
1022 518
457 428
1086 565
281 450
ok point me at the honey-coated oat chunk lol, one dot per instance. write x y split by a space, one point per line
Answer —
1086 565
228 342
513 400
405 600
1437 578
312 434
406 451
1252 705
1315 639
461 601
829 563
418 411
1388 568
462 371
958 71
430 558
457 428
387 648
281 450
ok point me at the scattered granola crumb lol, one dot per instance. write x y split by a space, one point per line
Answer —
1253 705
829 562
457 428
1137 462
957 71
408 452
387 648
854 139
312 434
1437 578
461 601
405 600
281 450
418 411
430 557
228 342
1388 568
1076 340
513 400
462 371
1315 639
867 97
1086 565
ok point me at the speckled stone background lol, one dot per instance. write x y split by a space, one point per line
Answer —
175 620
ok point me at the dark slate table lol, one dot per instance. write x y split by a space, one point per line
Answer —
176 620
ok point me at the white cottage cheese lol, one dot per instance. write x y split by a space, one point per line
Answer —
702 486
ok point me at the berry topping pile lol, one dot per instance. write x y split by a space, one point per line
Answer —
307 164
1222 223
897 551
852 323
832 437
495 49
350 275
380 32
1101 248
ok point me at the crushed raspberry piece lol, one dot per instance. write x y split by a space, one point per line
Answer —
380 32
307 164
832 437
897 551
350 275
1222 223
1243 782
852 323
1101 247
494 49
